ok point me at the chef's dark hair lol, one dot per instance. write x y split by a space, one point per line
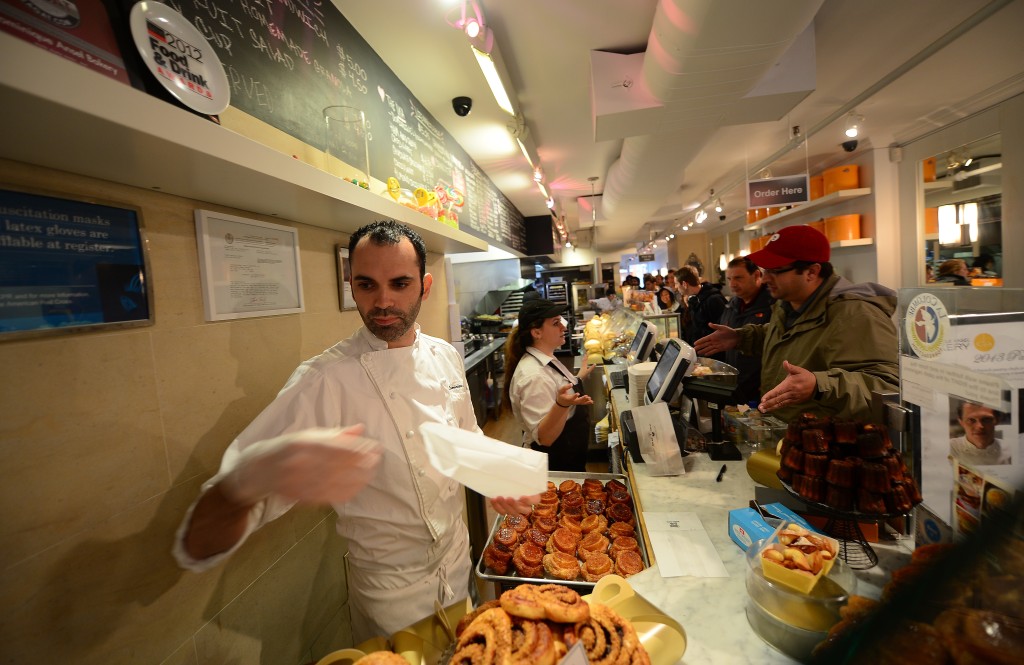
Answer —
390 232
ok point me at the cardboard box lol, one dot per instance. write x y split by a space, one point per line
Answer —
746 526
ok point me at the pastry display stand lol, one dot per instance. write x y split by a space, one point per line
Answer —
844 526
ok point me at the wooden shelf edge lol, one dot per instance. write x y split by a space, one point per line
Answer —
824 201
65 117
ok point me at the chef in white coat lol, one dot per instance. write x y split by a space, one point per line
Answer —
408 544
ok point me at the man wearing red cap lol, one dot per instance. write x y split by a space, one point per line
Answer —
830 342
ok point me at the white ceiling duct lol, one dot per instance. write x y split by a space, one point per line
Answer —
708 63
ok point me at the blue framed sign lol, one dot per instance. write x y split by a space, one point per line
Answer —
70 265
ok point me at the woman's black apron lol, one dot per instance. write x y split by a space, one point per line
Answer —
569 451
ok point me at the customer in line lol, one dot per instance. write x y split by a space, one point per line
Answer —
704 301
953 271
751 303
545 398
667 300
830 342
408 545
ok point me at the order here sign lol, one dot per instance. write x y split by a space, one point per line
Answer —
785 190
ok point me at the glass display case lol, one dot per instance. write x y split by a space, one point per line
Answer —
668 324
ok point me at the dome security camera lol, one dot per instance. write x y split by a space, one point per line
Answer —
849 146
462 106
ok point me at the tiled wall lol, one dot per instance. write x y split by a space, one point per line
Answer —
104 440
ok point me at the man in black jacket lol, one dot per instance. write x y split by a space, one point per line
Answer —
705 304
751 303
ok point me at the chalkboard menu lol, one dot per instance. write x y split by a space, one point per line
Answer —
287 60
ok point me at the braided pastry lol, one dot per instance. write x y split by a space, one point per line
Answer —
486 641
597 566
607 638
569 487
545 523
532 643
528 560
563 540
598 523
561 566
628 563
623 544
618 529
497 558
592 543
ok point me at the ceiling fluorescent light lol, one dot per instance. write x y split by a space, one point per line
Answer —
490 71
526 152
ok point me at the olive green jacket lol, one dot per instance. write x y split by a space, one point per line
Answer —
846 338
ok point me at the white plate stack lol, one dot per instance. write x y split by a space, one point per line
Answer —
638 376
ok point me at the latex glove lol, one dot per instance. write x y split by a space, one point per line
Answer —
504 505
798 387
723 338
314 466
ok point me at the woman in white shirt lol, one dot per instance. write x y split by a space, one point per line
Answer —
546 399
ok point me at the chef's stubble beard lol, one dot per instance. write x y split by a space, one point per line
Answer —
391 333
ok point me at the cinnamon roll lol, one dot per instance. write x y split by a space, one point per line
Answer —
628 563
561 566
592 485
532 643
562 604
549 498
607 638
598 523
571 523
620 496
523 601
545 510
486 641
469 618
592 543
563 540
614 484
572 504
597 566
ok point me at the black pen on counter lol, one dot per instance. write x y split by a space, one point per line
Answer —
720 474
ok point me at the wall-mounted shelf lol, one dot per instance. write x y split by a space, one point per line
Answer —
824 201
859 242
64 116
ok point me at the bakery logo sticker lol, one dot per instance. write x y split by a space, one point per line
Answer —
927 325
179 57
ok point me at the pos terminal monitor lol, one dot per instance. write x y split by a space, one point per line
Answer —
677 362
643 343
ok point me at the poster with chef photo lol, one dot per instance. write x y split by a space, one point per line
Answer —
79 30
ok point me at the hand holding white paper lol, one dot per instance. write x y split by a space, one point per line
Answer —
490 467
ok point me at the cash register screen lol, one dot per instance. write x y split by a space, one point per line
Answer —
668 374
643 343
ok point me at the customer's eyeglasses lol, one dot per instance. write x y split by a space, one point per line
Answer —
777 271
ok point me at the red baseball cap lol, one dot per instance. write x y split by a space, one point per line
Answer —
791 244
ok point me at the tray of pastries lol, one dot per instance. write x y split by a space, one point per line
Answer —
583 529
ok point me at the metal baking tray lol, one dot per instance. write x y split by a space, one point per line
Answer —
512 579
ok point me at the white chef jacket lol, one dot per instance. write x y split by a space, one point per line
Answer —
534 389
405 533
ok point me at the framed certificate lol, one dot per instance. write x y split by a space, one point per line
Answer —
248 268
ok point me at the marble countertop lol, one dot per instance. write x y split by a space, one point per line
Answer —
712 610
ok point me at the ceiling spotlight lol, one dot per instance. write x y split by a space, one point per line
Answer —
551 203
538 174
568 244
718 205
853 124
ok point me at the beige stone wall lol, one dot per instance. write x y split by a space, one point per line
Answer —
106 437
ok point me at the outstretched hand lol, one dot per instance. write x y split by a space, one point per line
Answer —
722 339
798 387
567 396
313 467
504 505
